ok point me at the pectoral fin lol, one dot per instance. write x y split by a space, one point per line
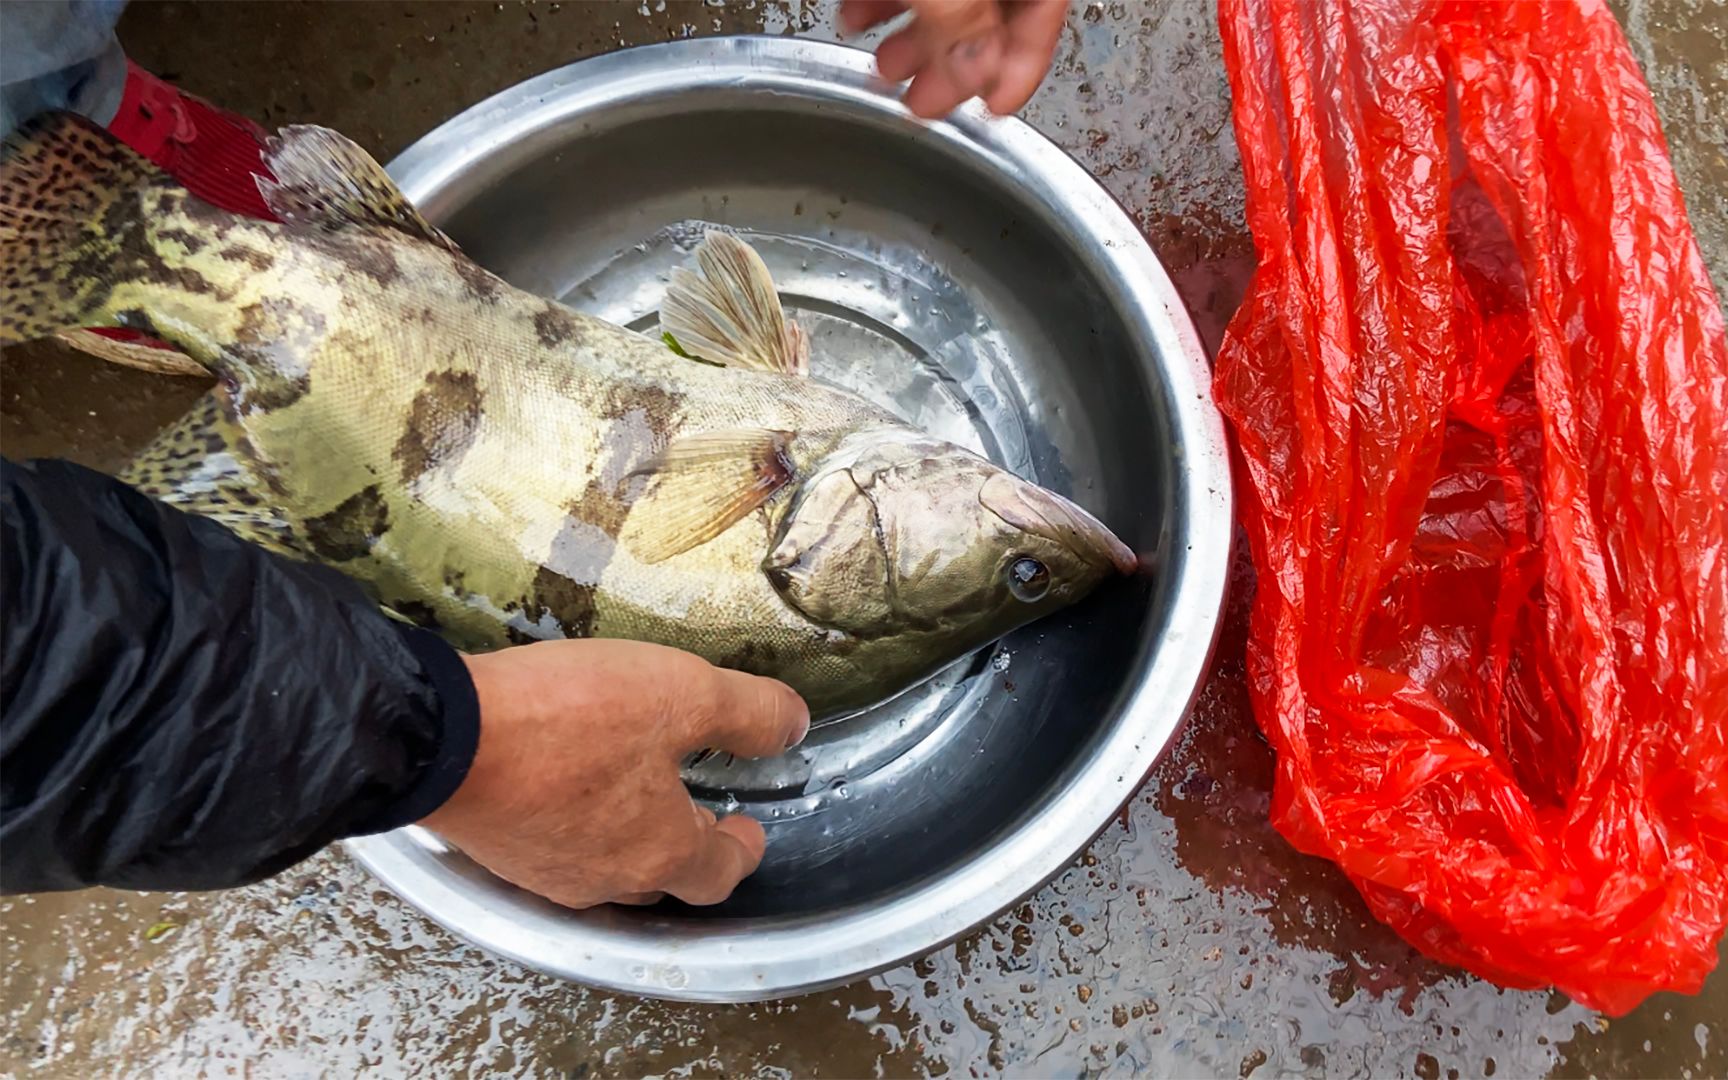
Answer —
728 311
703 485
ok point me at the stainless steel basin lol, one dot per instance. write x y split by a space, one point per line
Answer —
971 276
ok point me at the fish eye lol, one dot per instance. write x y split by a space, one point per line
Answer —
1028 579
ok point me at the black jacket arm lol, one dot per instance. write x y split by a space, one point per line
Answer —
180 709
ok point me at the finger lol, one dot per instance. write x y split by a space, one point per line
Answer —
933 94
973 65
1016 81
1032 30
943 22
746 715
857 16
901 56
730 851
640 899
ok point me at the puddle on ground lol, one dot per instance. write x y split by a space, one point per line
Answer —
1190 940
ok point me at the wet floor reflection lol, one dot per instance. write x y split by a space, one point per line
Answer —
1190 940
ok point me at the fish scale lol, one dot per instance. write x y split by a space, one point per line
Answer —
501 468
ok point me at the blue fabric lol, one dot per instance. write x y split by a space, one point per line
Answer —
60 54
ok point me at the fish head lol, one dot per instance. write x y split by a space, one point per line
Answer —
902 533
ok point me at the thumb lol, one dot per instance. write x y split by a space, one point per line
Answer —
747 715
730 851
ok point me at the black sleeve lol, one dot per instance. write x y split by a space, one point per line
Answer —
180 709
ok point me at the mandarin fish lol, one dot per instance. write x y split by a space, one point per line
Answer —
500 468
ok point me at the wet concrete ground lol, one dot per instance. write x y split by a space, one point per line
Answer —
1190 941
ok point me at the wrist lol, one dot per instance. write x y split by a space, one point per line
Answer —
479 785
442 815
455 698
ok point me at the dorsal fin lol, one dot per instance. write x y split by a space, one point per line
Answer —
323 178
728 311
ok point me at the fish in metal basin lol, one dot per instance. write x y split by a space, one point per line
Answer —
503 469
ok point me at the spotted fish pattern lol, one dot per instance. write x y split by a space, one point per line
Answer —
503 469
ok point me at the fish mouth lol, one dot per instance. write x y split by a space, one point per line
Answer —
1122 556
1041 512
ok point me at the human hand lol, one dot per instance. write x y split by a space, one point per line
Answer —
574 792
954 50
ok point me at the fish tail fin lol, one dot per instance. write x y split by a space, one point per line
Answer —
70 206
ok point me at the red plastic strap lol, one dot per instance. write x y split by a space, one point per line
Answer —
216 154
121 333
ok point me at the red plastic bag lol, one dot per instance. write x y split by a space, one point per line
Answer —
1480 392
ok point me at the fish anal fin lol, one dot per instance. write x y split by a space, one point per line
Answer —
323 178
199 465
701 486
727 311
